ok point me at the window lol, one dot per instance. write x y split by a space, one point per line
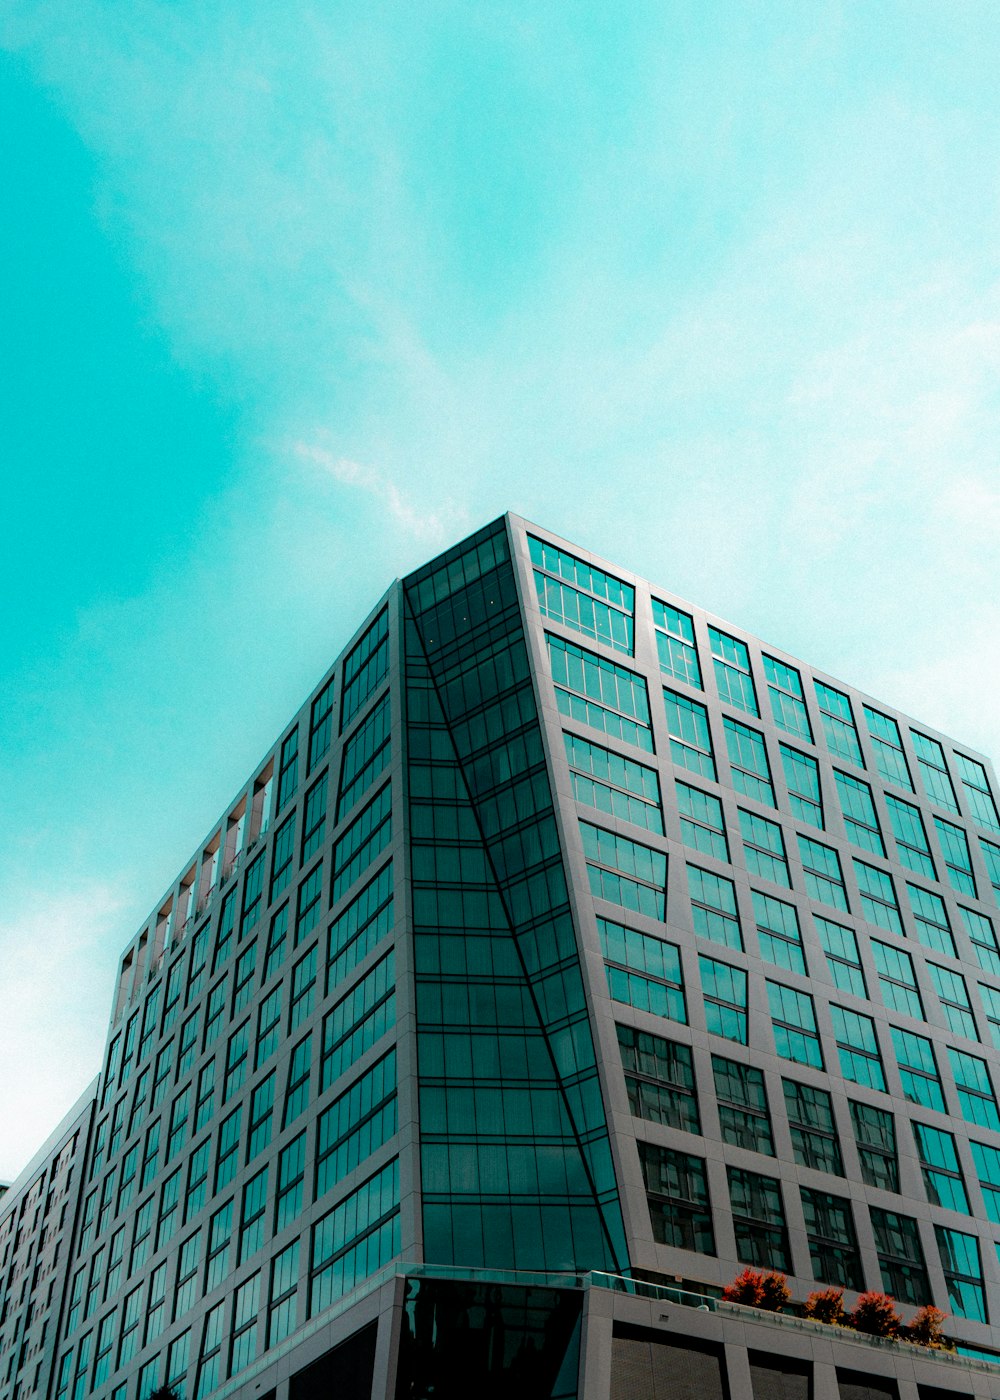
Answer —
179 1115
900 1256
308 903
713 907
614 785
281 1312
677 1192
291 1176
320 725
170 1216
303 989
702 824
358 1020
833 1243
842 957
252 1216
224 935
857 1047
890 760
732 672
206 1093
764 848
724 992
246 1302
690 736
659 1079
860 817
943 1180
360 927
314 818
744 1116
643 971
918 1069
975 1089
253 889
359 1121
977 791
277 944
991 855
355 1238
365 668
365 839
600 693
220 1229
824 878
778 932
236 1061
875 1135
197 1187
984 939
759 1221
794 1022
804 793
150 1154
624 872
243 978
813 1127
748 761
958 863
897 980
963 1273
283 856
583 597
367 754
838 724
991 1005
931 919
188 1046
987 1160
261 1116
228 1156
878 897
675 643
297 1093
954 994
784 686
288 772
911 838
934 771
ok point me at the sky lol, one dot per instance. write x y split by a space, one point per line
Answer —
292 297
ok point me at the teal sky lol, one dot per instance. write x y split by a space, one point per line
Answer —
293 296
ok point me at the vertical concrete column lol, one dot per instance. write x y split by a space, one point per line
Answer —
596 1345
738 1370
825 1385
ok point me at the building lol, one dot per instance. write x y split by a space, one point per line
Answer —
570 951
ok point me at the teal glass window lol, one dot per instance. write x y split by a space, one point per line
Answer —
713 907
320 725
314 818
900 1256
813 1127
367 754
975 1089
759 1220
236 1061
583 597
833 1242
356 1124
252 1216
282 1308
363 841
931 919
764 848
857 1047
223 944
958 862
243 1347
911 837
690 736
302 996
991 854
823 875
879 904
724 991
261 1116
748 761
615 785
291 1182
643 971
360 927
268 1027
659 1079
875 1135
991 1005
744 1116
288 768
625 872
838 724
732 672
354 1239
243 979
984 939
778 932
358 1020
987 1160
939 1165
840 945
365 668
788 706
599 693
890 760
802 779
702 824
860 817
677 1192
794 1021
934 771
918 1069
297 1088
963 1273
977 792
954 995
897 980
228 1154
675 643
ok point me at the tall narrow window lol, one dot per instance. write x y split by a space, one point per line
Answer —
320 725
744 1116
977 791
748 761
918 1069
890 760
690 736
675 643
911 837
958 862
975 1089
823 875
963 1272
793 1019
934 771
954 996
288 769
860 817
838 724
788 706
939 1164
713 907
897 980
842 957
900 1256
984 939
702 825
931 919
759 1220
724 990
778 932
813 1127
833 1243
365 668
875 1135
732 672
857 1047
802 778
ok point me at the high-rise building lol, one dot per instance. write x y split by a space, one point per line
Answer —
570 952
